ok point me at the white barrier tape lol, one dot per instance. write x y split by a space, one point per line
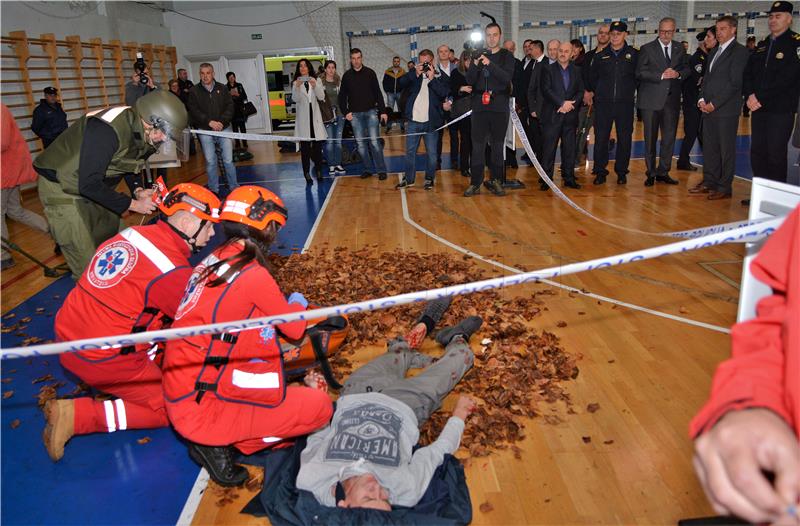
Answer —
693 233
268 137
749 233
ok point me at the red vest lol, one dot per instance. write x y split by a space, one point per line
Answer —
244 367
111 298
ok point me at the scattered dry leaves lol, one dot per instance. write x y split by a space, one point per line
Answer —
15 423
46 378
144 440
593 407
7 395
486 507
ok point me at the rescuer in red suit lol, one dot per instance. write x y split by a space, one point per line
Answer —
228 390
751 422
134 282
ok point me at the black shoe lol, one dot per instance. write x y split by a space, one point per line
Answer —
650 181
366 175
382 176
572 184
622 179
309 180
745 202
428 184
472 190
689 167
466 328
218 461
666 179
599 179
466 173
495 187
403 184
543 186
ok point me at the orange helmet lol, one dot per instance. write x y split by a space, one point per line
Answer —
254 206
192 198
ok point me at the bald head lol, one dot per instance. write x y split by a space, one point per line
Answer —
510 45
564 53
552 49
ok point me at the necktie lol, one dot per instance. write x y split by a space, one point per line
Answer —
666 55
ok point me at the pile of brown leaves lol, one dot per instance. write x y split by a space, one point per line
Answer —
516 367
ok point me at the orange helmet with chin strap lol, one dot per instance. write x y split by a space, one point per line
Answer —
254 206
194 199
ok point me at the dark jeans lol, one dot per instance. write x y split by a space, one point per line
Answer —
490 128
453 143
412 145
366 131
333 149
239 127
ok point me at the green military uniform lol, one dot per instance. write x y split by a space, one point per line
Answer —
79 225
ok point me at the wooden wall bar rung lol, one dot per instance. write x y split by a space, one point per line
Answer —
107 67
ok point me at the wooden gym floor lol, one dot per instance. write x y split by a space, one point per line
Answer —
649 340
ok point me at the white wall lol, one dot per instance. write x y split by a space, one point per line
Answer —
125 21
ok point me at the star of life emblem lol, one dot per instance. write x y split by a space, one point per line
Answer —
112 263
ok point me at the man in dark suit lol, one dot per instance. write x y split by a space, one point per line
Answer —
720 102
521 91
562 90
691 92
661 66
511 46
446 69
534 97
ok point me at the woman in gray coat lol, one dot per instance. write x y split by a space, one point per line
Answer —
307 91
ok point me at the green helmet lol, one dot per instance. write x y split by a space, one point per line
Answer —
164 111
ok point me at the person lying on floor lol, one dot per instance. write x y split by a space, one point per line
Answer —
364 458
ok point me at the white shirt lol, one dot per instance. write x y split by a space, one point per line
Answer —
722 48
446 69
526 62
420 111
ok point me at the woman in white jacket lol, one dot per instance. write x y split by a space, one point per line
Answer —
306 93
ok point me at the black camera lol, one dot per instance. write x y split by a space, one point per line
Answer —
139 66
426 67
476 48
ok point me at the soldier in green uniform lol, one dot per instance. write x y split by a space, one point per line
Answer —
772 87
81 169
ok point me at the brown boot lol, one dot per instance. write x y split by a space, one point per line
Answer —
60 415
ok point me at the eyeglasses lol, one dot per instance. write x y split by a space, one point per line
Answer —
666 31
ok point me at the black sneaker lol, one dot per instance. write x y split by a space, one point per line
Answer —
466 328
599 179
472 190
366 175
218 461
572 183
428 184
403 184
382 176
495 187
622 179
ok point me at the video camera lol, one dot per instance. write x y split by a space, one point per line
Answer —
476 44
139 66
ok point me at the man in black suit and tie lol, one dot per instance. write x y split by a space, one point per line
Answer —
534 97
521 90
562 90
720 102
661 67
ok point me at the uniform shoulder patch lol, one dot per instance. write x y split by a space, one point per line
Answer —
112 263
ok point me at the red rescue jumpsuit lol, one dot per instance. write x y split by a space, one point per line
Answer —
764 368
134 277
229 389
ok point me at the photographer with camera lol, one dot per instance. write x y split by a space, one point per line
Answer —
428 89
490 78
141 82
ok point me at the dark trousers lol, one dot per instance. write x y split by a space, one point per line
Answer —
453 143
666 121
769 144
464 127
620 114
311 150
238 126
563 130
488 127
719 151
691 130
536 138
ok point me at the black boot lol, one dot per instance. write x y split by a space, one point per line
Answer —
466 328
218 461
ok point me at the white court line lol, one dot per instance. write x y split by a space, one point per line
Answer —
193 501
200 485
407 218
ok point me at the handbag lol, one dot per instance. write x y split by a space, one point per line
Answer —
249 109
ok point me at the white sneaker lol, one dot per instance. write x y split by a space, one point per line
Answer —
331 170
340 169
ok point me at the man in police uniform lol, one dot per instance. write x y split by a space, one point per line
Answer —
772 88
82 167
691 92
613 78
